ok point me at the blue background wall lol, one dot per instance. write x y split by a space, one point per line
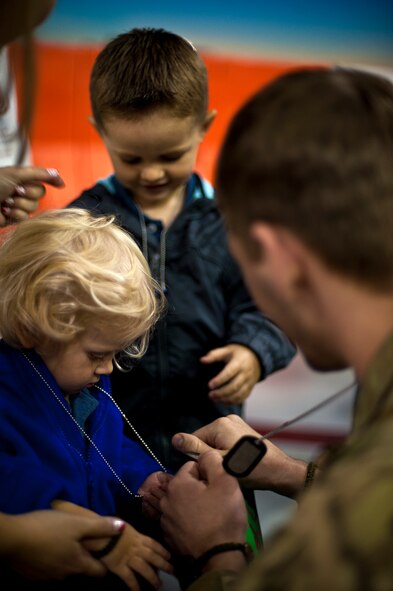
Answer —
355 30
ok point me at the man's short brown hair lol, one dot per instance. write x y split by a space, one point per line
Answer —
313 152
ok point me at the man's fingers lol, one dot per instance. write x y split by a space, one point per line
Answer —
210 465
189 444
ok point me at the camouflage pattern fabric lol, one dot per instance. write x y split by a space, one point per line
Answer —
341 537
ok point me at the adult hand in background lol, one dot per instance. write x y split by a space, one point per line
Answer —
50 544
21 187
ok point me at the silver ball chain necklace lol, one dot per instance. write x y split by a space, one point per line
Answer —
89 439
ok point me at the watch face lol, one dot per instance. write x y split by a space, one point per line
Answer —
242 458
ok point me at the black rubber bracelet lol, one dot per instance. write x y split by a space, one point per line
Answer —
106 549
229 547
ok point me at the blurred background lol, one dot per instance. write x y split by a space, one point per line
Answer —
245 45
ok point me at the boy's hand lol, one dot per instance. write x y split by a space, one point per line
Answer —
21 187
241 372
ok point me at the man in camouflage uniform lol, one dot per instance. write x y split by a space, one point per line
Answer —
305 182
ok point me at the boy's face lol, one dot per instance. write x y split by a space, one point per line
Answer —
153 155
82 362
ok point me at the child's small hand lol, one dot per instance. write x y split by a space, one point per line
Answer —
134 554
152 490
241 372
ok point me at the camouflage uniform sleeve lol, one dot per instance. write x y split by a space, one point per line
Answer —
215 581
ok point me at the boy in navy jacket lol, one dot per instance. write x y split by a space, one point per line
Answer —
149 97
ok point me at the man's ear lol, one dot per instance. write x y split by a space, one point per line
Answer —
281 251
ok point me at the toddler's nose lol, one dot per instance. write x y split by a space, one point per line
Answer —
105 367
152 173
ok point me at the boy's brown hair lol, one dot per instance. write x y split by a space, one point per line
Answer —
145 69
313 152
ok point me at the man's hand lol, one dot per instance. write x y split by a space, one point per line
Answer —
277 471
204 506
220 435
241 372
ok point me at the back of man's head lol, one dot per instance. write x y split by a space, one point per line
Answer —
313 151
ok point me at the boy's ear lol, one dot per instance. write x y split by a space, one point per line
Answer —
209 120
92 121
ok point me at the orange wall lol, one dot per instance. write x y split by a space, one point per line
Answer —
62 136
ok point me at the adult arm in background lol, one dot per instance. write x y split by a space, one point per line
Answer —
276 472
21 187
49 544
